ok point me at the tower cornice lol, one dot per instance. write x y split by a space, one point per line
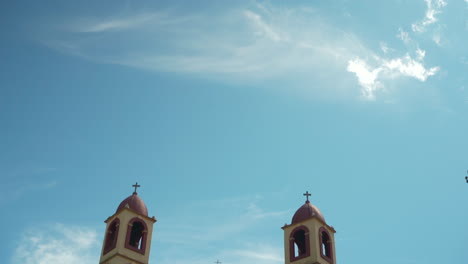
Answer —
313 217
153 219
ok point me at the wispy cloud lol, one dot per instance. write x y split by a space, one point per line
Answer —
403 35
26 180
255 253
257 213
244 214
116 24
57 244
262 28
384 47
434 7
258 253
253 43
235 223
247 44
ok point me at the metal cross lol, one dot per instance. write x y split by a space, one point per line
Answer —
307 194
218 262
136 186
466 178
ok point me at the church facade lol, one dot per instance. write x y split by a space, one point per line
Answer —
127 240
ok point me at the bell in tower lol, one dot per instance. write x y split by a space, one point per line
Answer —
309 239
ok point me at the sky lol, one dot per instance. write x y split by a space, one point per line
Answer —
226 112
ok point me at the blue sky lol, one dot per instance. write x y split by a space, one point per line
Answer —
226 112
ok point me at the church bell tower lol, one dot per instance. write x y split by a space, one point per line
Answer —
128 233
309 239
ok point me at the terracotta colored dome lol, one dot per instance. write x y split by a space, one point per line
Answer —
307 211
134 203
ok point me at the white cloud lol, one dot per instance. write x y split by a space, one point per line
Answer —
57 244
408 66
434 7
371 78
367 77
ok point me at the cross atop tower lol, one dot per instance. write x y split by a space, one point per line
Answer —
136 185
307 194
217 262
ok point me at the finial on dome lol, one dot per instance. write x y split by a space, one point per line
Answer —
307 194
136 185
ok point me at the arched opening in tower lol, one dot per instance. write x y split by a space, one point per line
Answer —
111 236
136 235
326 245
299 243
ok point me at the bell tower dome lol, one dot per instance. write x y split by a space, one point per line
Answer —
309 239
128 233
